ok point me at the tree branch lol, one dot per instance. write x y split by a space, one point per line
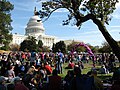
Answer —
50 14
82 19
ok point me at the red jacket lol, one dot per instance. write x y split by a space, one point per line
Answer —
48 68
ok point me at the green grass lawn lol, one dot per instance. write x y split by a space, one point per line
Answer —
87 67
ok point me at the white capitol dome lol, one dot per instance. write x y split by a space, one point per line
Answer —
35 26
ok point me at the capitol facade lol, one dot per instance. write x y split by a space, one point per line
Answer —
35 28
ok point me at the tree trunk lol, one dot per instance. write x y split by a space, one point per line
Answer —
113 44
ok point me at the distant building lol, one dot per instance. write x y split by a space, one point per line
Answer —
35 28
68 42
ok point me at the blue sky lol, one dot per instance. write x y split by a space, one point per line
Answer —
89 33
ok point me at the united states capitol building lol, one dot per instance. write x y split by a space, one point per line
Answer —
35 28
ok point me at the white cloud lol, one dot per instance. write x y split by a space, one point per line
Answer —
93 39
92 32
118 4
115 26
26 5
114 30
18 28
22 17
116 15
68 26
61 10
23 7
16 25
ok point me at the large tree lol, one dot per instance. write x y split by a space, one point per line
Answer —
29 44
5 22
98 11
14 47
105 48
71 46
60 46
40 44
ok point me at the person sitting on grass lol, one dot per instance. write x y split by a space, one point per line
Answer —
103 70
71 65
98 85
48 68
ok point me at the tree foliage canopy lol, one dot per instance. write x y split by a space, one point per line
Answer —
59 46
40 44
29 44
14 47
5 22
80 10
71 46
105 48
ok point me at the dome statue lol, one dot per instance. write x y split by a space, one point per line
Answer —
35 25
36 12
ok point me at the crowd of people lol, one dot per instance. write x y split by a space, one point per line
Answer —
40 71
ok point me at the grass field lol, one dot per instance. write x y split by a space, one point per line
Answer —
87 67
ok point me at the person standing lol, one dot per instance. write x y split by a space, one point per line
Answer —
33 57
60 61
